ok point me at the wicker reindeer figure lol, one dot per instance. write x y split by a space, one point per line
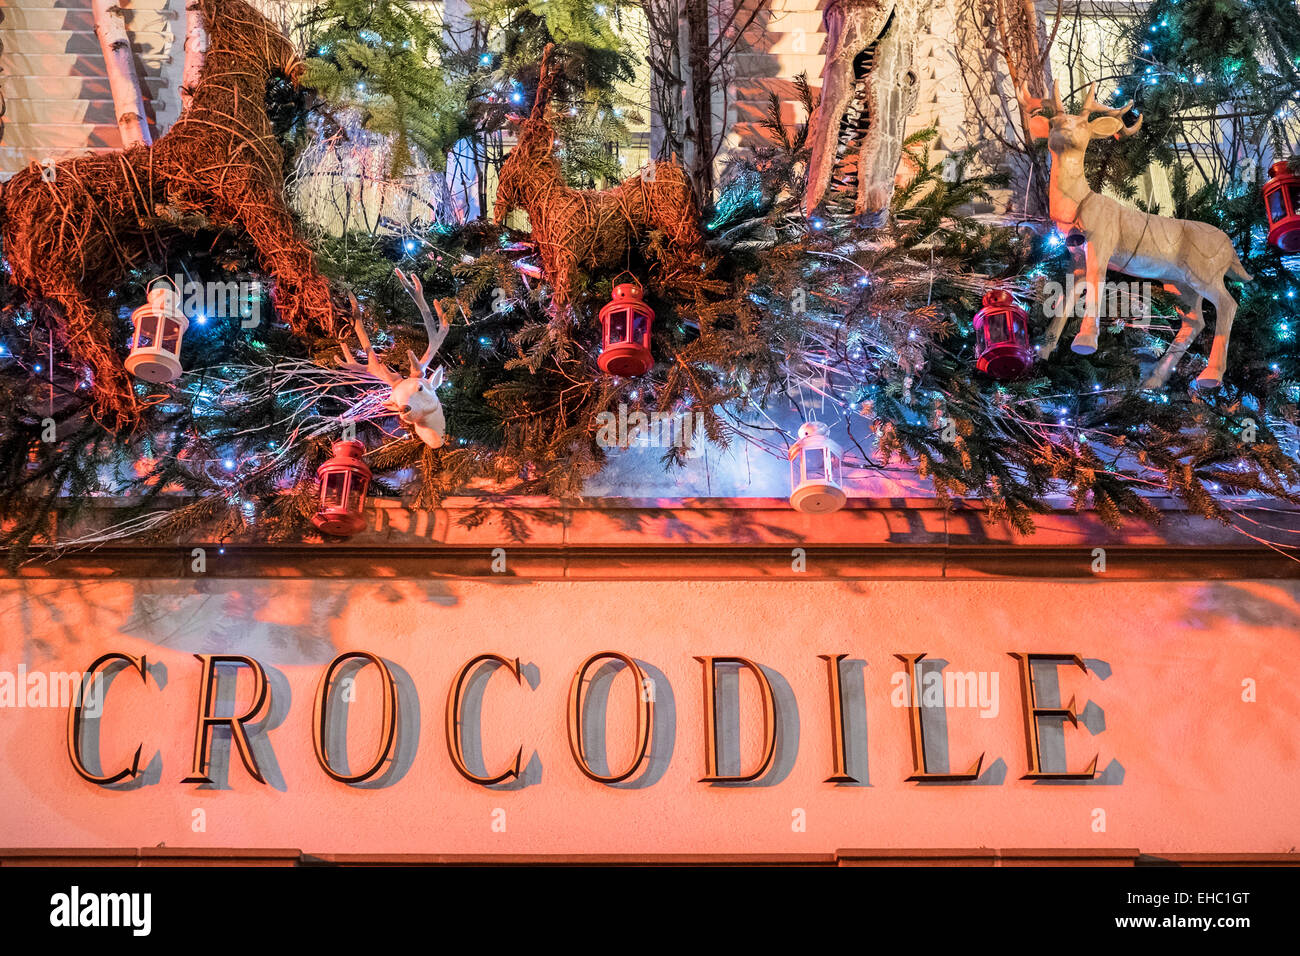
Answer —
414 398
74 230
1189 257
587 228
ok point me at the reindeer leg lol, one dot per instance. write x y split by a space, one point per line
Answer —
1189 311
114 403
302 294
1085 343
1066 308
1225 310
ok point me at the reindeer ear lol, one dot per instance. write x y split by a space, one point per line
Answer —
435 380
1039 127
1104 126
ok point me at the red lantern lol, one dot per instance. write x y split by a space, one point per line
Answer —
343 481
1002 337
625 324
1282 204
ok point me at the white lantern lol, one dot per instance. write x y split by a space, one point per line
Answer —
156 345
816 471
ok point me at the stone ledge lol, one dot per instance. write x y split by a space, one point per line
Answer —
712 539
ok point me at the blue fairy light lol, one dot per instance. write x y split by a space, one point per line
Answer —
816 223
485 59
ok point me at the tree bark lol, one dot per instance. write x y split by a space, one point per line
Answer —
123 82
697 31
196 48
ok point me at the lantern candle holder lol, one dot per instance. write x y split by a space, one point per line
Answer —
342 481
1002 337
156 343
1282 204
625 330
816 471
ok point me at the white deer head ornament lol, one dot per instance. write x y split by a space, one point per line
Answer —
414 399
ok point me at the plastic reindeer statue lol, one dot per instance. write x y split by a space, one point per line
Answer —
74 230
413 399
1190 258
588 228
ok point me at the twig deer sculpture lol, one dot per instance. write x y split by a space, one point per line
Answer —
588 228
413 398
1190 258
74 230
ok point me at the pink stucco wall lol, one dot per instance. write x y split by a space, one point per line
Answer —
1202 769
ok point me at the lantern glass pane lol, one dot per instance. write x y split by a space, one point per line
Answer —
1293 192
995 328
796 477
146 332
334 489
171 340
814 464
1276 205
835 470
356 494
640 332
618 326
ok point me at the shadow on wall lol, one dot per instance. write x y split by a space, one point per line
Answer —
276 622
1216 605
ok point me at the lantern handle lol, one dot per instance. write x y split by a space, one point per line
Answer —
176 288
628 273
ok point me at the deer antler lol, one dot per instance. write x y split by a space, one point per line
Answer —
415 289
374 366
1033 104
1090 106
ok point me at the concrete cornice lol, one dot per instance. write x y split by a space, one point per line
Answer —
718 539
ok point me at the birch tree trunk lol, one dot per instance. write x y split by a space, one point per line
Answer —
196 48
701 106
128 100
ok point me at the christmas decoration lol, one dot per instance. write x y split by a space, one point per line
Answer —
72 233
625 339
413 399
343 481
816 479
584 228
1188 256
865 334
1002 337
868 92
156 343
1282 204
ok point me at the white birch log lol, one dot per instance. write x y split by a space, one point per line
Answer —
128 100
196 48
